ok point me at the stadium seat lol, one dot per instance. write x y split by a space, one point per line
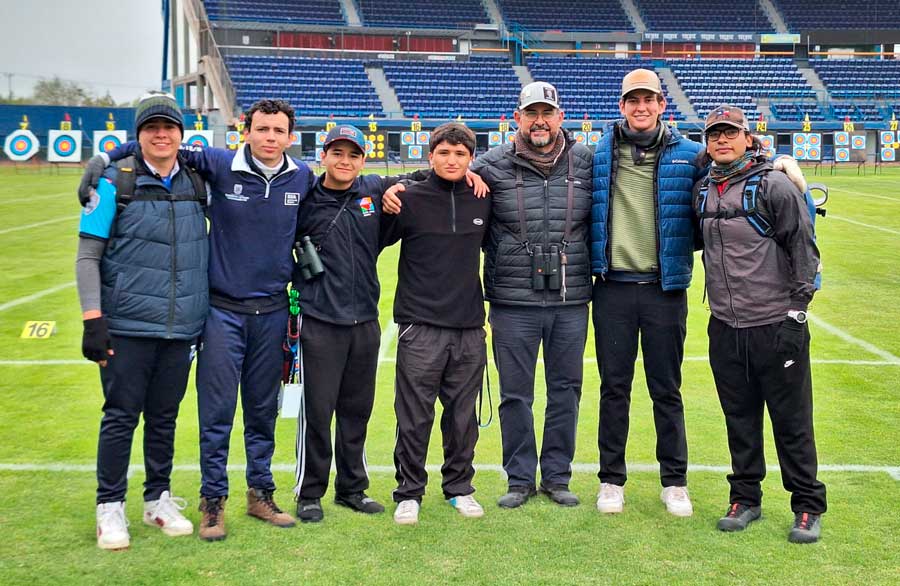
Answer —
566 15
322 12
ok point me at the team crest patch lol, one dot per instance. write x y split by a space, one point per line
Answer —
291 199
366 206
238 189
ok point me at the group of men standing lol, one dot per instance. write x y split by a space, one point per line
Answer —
556 215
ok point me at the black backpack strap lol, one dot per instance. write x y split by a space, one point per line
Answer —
199 185
126 177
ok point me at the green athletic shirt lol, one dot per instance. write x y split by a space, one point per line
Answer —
632 229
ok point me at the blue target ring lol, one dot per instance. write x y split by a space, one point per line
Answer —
64 145
108 143
197 140
21 146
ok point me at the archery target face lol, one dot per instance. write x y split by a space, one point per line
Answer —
65 146
21 145
107 140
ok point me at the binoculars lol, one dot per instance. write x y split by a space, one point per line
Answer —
308 259
545 268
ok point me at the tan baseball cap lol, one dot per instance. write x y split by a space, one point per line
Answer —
641 79
727 115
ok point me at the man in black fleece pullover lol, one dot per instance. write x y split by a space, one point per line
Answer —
439 308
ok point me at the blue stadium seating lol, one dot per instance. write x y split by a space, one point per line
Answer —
324 12
803 15
566 15
703 15
457 14
478 88
797 111
857 111
314 87
859 78
590 85
710 82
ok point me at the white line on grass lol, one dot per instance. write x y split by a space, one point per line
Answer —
864 194
37 224
864 225
884 354
33 296
388 334
28 199
583 467
391 359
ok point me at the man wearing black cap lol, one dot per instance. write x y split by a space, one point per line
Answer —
760 268
339 330
142 282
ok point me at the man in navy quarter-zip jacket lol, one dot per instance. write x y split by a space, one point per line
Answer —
255 196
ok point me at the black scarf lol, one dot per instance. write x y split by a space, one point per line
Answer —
640 141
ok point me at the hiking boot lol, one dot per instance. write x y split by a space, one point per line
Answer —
310 510
738 517
807 528
611 498
359 502
112 526
165 513
677 501
407 512
212 524
516 497
261 505
467 506
561 495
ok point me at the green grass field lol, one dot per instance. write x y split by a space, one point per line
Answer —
51 412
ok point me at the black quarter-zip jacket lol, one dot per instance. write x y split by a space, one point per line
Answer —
442 225
347 292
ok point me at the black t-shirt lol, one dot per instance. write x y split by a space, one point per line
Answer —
442 225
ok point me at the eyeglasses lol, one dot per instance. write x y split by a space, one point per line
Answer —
534 114
730 132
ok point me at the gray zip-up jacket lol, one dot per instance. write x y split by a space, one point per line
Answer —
753 280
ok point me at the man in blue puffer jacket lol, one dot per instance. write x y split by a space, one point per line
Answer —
642 247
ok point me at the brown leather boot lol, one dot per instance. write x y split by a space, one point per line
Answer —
261 505
212 526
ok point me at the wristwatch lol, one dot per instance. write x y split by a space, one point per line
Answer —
798 316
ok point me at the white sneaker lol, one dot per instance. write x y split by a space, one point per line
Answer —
677 501
467 506
611 498
165 513
112 526
407 512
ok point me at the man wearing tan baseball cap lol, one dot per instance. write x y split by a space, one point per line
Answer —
642 255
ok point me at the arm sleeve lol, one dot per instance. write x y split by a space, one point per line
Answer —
205 160
695 215
391 228
794 233
87 272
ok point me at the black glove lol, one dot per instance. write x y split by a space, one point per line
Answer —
91 178
95 342
789 337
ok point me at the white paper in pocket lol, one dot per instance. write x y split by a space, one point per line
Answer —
291 397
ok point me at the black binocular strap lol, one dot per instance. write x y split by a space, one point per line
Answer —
333 222
520 202
570 200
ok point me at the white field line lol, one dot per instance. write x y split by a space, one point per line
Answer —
582 467
38 224
864 225
871 348
388 333
864 194
391 359
34 296
19 200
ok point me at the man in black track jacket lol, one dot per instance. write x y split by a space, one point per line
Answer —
439 308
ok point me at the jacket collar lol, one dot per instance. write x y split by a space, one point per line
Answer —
239 163
353 189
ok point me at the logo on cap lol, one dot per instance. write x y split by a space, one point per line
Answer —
348 132
549 93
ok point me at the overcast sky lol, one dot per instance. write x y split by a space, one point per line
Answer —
113 45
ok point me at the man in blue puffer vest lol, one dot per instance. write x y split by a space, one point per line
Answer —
142 281
642 247
255 198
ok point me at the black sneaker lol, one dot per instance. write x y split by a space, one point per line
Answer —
309 510
738 517
561 495
516 497
807 528
359 502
